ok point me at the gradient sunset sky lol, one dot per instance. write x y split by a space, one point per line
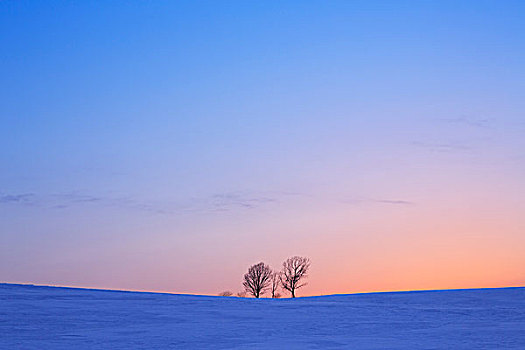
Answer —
169 145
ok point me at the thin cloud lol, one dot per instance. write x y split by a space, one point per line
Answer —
216 202
366 201
16 198
231 200
442 147
79 198
469 121
393 201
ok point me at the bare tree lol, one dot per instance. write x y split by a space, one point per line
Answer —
275 283
241 294
294 270
226 293
257 279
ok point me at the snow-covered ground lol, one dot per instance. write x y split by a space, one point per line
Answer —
34 317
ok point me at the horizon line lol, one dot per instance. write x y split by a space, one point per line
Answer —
29 284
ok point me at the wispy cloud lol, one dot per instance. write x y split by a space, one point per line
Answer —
445 147
393 201
216 202
468 121
365 201
59 201
16 198
227 201
472 131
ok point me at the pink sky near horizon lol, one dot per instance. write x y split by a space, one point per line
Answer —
363 246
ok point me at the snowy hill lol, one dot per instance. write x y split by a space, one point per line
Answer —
33 317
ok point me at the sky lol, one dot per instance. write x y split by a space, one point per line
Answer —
169 145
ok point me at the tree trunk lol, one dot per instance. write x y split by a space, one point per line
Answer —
293 293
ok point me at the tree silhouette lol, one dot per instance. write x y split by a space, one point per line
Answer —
294 270
257 279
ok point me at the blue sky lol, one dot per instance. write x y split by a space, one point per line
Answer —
186 130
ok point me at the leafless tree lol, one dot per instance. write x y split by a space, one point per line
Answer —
226 293
275 283
241 294
294 270
257 279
